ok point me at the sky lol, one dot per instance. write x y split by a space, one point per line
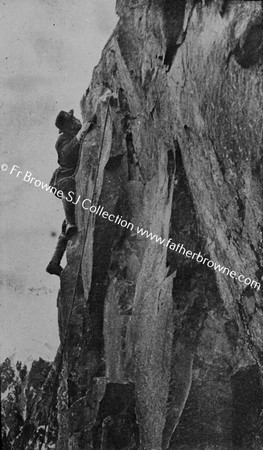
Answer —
48 50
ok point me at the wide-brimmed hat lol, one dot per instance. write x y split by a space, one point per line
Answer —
63 119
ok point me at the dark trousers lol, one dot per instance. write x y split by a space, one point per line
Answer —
68 185
69 210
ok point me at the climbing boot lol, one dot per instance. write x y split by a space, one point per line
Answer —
54 267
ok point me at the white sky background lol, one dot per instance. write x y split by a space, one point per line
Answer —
48 50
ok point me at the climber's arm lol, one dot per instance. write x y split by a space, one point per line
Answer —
86 127
67 150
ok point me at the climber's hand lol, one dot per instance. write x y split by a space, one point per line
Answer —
85 127
83 130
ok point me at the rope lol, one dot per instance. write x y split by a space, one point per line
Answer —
78 271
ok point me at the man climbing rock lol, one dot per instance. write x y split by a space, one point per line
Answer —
67 146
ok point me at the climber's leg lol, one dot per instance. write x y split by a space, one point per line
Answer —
69 209
54 267
68 186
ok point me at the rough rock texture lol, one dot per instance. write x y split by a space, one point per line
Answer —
19 390
159 351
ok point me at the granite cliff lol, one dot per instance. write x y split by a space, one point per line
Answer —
159 351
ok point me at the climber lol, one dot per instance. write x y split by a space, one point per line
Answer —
67 146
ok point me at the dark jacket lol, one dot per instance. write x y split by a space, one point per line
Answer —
68 154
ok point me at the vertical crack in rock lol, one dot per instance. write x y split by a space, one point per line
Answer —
173 19
247 405
116 420
249 51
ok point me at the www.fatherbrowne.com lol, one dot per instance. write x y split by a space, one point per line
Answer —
179 248
99 210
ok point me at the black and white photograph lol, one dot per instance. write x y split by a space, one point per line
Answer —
131 269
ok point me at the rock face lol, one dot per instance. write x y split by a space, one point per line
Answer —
159 351
19 389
